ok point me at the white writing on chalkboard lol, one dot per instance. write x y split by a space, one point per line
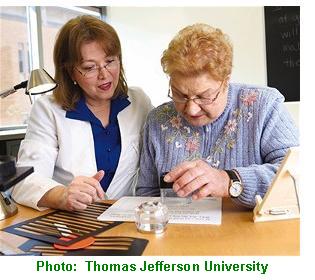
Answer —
295 31
290 30
291 47
283 49
286 18
291 63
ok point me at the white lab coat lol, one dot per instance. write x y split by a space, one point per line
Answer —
61 148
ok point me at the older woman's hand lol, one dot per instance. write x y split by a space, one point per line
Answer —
198 178
80 193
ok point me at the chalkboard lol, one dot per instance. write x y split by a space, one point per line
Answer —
282 27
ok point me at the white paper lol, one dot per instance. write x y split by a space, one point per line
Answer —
205 211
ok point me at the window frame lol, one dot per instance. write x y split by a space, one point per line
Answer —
35 40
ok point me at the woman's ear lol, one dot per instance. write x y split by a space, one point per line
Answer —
71 74
226 81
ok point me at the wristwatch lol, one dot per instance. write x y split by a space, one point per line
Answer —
235 186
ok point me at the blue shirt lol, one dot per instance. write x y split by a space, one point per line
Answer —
107 140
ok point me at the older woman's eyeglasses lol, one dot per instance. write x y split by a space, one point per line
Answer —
178 98
92 71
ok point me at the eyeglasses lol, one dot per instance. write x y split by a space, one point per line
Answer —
198 100
94 70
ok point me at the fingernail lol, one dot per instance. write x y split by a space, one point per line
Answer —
181 193
175 187
167 178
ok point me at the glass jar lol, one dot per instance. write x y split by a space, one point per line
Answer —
151 216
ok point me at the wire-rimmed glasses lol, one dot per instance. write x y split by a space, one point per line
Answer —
176 97
94 70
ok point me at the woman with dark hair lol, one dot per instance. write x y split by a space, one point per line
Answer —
83 141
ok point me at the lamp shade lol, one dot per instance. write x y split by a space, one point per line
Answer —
40 82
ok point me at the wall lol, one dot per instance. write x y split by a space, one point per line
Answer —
146 31
294 109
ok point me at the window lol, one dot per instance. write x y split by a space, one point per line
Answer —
21 58
52 19
23 55
27 37
13 48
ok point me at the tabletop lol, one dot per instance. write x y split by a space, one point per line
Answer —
237 235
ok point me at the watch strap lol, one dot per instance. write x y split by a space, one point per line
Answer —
233 176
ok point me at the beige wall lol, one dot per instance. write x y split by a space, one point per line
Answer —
294 109
146 32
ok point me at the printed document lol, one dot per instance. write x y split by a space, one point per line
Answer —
204 211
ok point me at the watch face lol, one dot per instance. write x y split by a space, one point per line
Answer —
236 189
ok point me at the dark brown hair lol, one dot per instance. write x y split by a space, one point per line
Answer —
67 53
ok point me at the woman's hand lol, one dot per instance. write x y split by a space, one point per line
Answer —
80 193
199 179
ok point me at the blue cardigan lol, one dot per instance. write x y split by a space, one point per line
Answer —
252 135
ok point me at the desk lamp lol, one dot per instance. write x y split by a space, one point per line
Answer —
39 82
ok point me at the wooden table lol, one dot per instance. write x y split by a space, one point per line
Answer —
237 235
